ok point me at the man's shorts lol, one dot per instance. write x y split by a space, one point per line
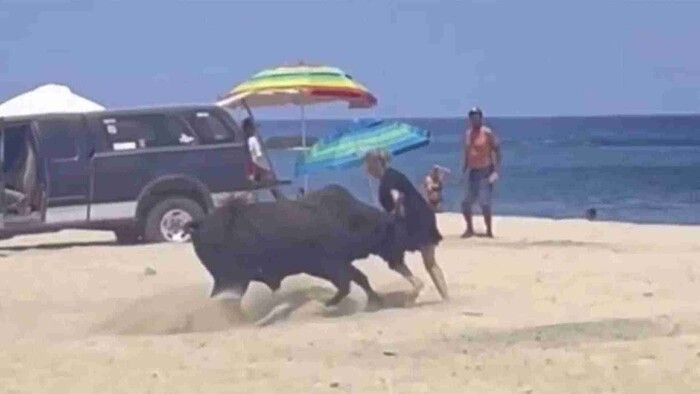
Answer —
478 186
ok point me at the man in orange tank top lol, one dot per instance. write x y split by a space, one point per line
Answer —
482 159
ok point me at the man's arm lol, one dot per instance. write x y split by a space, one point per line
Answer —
465 153
495 152
495 157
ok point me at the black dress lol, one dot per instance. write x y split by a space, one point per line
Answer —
420 224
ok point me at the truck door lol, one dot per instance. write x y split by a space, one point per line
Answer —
64 147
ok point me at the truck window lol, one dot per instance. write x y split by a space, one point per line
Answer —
180 129
210 129
58 138
140 132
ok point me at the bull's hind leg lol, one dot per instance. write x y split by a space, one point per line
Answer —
374 301
343 291
341 280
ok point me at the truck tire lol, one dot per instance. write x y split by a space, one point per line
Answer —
165 222
127 236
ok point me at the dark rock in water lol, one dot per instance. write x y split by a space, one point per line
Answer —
591 214
288 142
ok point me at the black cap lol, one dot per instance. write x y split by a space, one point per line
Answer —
476 111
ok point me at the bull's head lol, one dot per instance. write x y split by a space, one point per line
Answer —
390 246
208 241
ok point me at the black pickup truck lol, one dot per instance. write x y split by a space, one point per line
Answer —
140 173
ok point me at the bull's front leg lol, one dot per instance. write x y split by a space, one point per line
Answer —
343 291
335 272
273 284
339 274
374 301
278 312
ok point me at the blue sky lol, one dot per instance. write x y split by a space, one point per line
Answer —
421 58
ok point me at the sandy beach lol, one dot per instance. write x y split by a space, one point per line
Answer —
546 307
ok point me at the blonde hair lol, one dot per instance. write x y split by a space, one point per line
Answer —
379 156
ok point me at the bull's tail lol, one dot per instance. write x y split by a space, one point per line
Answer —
191 227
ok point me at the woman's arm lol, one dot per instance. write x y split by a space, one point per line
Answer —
397 196
398 199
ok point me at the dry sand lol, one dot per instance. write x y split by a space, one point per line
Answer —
547 307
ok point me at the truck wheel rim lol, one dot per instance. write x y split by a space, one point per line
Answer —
172 226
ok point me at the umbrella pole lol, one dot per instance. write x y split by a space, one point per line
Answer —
303 143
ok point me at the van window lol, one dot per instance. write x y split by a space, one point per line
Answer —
58 138
210 129
140 132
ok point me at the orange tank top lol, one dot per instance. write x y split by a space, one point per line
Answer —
479 149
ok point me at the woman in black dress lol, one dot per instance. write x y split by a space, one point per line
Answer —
398 196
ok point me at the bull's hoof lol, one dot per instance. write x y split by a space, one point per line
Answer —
334 301
374 304
280 312
331 302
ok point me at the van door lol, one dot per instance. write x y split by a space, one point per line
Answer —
64 147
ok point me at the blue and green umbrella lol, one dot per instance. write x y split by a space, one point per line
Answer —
347 146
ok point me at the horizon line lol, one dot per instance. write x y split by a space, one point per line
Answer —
433 117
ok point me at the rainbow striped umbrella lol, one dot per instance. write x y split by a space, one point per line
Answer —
347 146
300 85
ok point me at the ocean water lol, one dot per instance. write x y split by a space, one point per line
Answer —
642 169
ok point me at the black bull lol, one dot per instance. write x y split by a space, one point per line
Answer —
321 235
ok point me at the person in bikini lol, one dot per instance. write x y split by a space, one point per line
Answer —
432 188
482 160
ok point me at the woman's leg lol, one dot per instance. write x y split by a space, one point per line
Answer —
408 275
428 253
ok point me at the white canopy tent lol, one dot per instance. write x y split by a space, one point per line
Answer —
46 99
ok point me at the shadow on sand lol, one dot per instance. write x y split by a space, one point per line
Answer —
57 246
189 310
571 333
287 303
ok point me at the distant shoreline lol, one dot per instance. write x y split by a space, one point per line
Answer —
478 217
290 142
514 117
635 170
